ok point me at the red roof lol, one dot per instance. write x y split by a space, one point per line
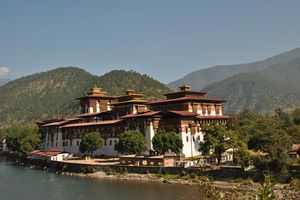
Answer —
204 100
212 117
88 114
52 152
57 150
186 92
92 114
40 153
183 113
97 96
146 114
295 148
60 122
35 151
105 122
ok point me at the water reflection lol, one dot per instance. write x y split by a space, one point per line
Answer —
27 184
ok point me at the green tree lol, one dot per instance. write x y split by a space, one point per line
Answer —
22 139
91 142
241 157
286 119
246 121
217 139
269 135
166 141
131 142
296 116
294 133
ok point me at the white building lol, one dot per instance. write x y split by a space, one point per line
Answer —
183 112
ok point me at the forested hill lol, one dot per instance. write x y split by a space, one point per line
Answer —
3 81
51 94
275 87
203 77
115 83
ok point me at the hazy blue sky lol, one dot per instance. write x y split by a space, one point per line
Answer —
165 39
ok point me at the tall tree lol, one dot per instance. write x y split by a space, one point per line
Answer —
296 116
164 142
269 135
22 139
131 142
246 121
217 139
91 142
286 119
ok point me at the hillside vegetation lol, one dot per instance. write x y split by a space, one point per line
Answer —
202 78
275 87
117 81
51 94
3 81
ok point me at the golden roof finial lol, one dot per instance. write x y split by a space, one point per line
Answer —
185 87
129 91
96 90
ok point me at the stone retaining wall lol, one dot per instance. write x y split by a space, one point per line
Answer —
222 174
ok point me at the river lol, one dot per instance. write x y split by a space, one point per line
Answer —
18 182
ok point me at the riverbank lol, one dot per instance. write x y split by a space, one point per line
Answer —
18 182
212 189
210 183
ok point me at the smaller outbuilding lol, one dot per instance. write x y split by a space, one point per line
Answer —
52 155
295 151
161 161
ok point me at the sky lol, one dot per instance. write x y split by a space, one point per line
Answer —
165 39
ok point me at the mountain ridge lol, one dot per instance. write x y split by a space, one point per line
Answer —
3 81
51 94
201 78
277 86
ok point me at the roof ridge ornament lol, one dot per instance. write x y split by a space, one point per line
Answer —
129 91
96 91
184 87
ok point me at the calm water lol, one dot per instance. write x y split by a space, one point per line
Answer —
27 184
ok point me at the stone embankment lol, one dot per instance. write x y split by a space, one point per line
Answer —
225 190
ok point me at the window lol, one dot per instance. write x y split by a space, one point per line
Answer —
110 142
71 143
104 142
209 109
67 143
187 138
77 142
